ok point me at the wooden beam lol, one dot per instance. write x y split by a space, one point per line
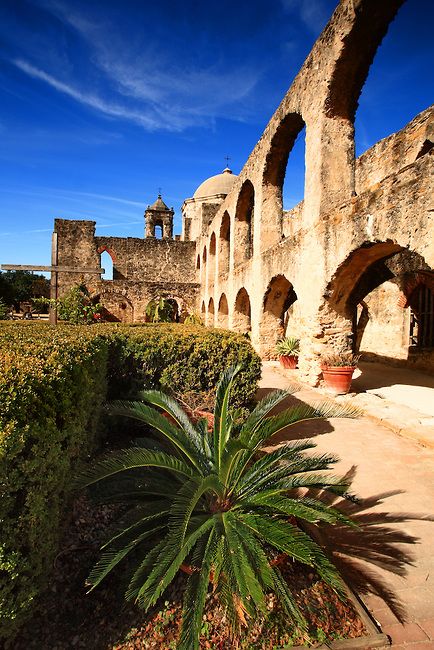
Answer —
50 269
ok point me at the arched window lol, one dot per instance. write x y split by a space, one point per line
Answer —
278 299
223 313
210 315
242 312
158 231
224 244
284 178
107 265
244 223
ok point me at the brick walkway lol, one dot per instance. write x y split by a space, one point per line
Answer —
385 462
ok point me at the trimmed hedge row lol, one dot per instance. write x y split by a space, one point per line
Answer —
52 385
53 382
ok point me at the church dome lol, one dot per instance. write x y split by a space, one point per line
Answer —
219 184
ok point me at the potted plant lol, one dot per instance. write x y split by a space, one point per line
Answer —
212 501
337 371
288 350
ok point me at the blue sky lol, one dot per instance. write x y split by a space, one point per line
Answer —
102 103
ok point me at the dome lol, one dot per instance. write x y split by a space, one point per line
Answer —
219 184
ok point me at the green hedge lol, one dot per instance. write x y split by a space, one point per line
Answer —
53 382
179 358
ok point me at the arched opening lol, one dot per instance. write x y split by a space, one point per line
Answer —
203 311
224 244
210 315
162 310
107 264
244 223
117 308
278 300
384 92
212 258
223 312
242 312
421 303
198 262
281 168
381 301
158 230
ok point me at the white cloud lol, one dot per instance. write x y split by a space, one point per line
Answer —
89 99
153 90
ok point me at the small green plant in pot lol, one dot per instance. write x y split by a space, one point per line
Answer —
211 500
288 350
337 371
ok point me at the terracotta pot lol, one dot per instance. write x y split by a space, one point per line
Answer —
338 378
288 361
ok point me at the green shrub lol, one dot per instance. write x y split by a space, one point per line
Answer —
53 382
179 359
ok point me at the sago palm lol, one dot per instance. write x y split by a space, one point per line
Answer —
212 499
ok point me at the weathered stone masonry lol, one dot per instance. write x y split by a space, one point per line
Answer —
350 267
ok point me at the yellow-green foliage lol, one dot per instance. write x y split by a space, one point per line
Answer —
179 358
53 382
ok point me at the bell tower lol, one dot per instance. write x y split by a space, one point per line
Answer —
159 215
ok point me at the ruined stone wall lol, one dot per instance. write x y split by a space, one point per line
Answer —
150 259
395 152
143 269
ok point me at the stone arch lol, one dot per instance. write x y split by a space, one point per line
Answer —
224 244
367 300
176 304
210 314
203 311
223 312
198 263
358 51
242 316
273 178
204 256
244 223
278 299
117 307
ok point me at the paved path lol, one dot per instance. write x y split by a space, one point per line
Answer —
386 462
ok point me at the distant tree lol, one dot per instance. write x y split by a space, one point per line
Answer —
22 286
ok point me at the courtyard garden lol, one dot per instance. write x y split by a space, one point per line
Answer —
139 509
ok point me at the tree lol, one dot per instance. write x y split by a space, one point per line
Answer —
22 286
215 501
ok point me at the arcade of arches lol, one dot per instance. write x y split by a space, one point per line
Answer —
350 267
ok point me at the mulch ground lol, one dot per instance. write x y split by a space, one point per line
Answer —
67 618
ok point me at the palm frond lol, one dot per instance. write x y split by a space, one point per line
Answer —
172 408
167 565
277 423
195 594
221 424
287 599
290 539
127 459
308 509
110 559
185 502
189 445
274 466
262 409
